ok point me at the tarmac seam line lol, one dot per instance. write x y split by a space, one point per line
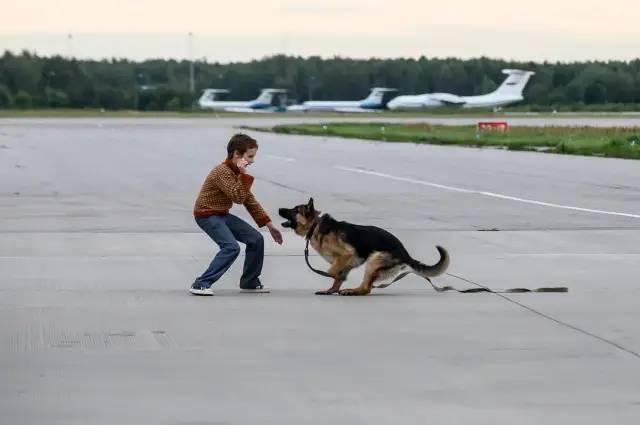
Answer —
553 319
484 193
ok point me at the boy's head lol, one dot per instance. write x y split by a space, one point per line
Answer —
241 144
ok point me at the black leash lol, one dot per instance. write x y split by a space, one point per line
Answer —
306 258
493 291
306 251
437 288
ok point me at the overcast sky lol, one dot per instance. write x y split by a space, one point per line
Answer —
232 30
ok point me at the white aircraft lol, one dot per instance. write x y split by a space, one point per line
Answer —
372 103
510 91
263 103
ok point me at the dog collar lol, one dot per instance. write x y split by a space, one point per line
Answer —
310 232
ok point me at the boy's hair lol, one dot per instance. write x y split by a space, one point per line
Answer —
240 142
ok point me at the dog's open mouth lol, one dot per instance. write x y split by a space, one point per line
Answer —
284 213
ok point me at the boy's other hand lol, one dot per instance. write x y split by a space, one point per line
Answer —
275 233
242 165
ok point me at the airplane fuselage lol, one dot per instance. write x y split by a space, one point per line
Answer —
225 105
489 101
510 91
375 102
426 101
337 105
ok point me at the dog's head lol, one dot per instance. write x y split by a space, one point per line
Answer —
299 218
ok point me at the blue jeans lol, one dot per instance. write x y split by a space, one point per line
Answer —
226 231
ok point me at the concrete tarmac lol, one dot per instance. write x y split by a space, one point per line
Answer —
98 247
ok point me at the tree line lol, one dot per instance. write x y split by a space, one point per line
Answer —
31 81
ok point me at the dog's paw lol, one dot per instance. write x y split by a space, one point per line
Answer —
325 292
352 292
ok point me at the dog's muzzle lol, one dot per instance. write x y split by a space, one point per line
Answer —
289 215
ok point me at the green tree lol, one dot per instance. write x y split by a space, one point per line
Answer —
575 91
20 72
596 92
23 100
538 93
174 104
57 98
112 98
6 99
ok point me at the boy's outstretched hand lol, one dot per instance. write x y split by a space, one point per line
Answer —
275 233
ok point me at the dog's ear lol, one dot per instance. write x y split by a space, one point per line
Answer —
310 205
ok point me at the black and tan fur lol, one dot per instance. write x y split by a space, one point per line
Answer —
347 246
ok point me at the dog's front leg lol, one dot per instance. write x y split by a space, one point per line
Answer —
339 270
334 288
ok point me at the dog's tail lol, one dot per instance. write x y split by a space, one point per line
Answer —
430 271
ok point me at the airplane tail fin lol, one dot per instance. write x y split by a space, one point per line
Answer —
268 97
376 98
265 97
515 82
210 95
205 96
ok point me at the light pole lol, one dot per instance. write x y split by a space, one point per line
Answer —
72 53
192 86
47 89
137 87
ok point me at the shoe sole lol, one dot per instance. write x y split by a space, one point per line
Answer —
206 292
255 291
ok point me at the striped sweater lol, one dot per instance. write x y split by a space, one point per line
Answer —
223 187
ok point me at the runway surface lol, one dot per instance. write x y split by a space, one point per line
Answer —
98 247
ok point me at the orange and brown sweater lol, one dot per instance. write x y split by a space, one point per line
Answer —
223 187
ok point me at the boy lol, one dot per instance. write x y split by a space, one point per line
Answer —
226 184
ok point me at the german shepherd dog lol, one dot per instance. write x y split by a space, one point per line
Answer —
347 246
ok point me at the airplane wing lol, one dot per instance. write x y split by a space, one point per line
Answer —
355 110
448 99
249 110
296 108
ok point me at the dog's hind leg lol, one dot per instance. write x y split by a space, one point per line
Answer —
364 288
377 267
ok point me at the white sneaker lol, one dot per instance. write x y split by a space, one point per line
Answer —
199 289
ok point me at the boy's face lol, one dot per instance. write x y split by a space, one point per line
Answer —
249 155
